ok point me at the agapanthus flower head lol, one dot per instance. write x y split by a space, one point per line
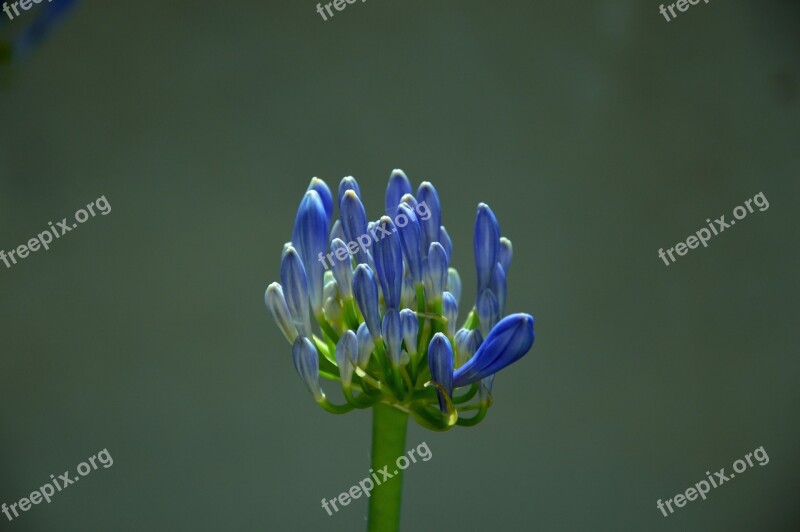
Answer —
375 304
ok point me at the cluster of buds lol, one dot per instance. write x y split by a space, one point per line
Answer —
386 317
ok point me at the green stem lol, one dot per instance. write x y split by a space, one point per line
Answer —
388 443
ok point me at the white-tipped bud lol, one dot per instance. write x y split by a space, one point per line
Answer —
276 305
346 357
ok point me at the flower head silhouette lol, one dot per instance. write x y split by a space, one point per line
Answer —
374 305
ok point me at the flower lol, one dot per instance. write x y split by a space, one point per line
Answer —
389 263
383 319
507 342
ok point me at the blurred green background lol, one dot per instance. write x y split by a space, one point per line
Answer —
597 132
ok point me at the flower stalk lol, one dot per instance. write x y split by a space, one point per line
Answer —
389 426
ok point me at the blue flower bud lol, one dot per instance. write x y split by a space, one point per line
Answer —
399 185
336 231
276 305
354 219
435 272
499 288
332 307
486 243
295 290
347 357
366 258
365 289
507 342
487 308
410 324
430 227
393 335
306 362
325 195
365 345
447 244
408 296
459 345
342 270
454 283
411 240
310 238
450 311
389 263
504 254
440 361
348 183
466 343
409 200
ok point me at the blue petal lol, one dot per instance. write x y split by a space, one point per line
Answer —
467 343
348 183
486 243
429 198
325 195
499 288
507 342
504 254
410 325
435 272
366 291
393 335
276 305
332 306
306 362
342 269
408 296
336 231
353 216
409 200
454 283
389 263
487 308
447 244
310 237
450 311
411 240
440 361
365 345
347 356
399 185
295 289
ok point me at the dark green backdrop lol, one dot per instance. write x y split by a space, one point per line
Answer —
597 132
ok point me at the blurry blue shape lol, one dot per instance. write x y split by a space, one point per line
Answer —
19 36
